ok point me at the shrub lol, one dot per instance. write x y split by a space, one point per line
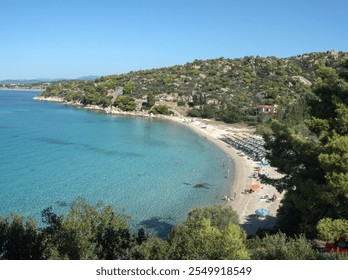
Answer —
161 109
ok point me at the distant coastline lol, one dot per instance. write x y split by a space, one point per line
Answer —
244 204
17 89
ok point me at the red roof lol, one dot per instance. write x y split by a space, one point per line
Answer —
340 246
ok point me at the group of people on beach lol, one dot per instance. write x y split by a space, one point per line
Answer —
246 191
269 199
227 198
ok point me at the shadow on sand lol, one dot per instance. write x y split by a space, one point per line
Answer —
254 222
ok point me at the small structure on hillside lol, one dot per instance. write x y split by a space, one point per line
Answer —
267 109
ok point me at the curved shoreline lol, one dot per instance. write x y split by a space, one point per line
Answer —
244 204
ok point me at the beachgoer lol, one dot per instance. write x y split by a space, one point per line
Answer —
274 197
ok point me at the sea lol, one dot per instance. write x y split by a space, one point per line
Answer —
51 154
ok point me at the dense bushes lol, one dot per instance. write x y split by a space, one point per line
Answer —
281 247
98 232
161 109
125 103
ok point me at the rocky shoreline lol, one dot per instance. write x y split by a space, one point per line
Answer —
107 110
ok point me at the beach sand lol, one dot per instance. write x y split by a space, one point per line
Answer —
244 204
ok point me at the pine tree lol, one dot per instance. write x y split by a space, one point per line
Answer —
315 166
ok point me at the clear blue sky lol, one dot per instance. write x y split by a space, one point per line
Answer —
72 38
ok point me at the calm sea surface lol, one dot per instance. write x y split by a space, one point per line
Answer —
50 154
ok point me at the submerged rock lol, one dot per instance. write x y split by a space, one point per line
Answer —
62 203
201 186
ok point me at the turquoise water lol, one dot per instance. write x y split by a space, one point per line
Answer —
50 154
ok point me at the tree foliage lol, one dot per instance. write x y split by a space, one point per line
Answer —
153 249
128 88
20 239
98 232
209 233
150 99
90 232
197 240
219 216
87 232
125 103
281 247
315 165
160 109
332 229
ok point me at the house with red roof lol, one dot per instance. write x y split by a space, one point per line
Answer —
268 109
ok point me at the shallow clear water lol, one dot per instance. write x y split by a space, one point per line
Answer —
50 154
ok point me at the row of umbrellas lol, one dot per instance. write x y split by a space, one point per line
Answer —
251 145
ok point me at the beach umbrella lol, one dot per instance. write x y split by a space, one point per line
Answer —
262 212
255 187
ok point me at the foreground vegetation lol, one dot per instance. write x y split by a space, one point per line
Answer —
97 232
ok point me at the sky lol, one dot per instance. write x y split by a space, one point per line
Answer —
74 38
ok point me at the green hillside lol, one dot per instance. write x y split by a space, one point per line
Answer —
226 89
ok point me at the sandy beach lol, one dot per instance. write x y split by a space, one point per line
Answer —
244 204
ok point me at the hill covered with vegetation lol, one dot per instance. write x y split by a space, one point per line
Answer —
227 89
